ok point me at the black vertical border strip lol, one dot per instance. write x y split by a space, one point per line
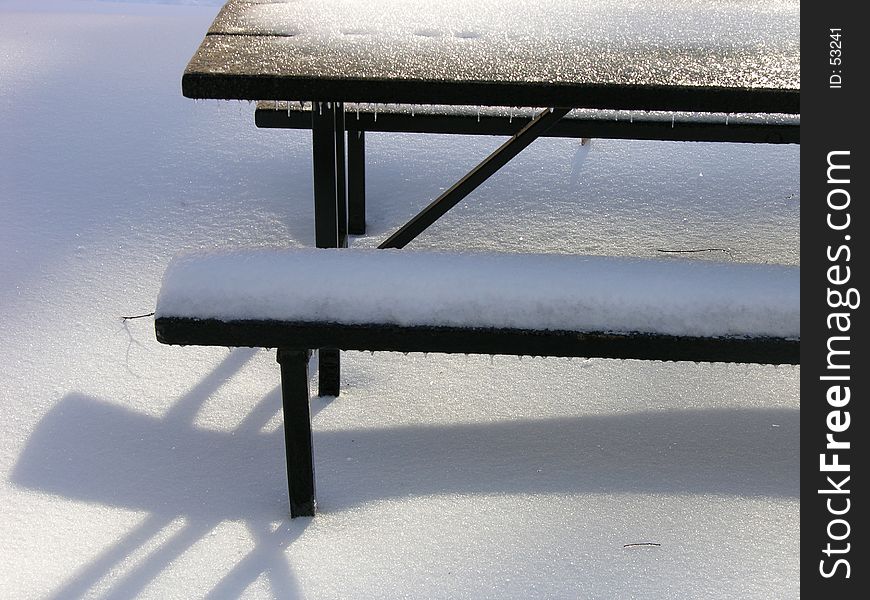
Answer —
830 121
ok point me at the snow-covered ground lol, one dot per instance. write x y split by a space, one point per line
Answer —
131 468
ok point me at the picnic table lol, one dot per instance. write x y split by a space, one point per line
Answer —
698 60
699 57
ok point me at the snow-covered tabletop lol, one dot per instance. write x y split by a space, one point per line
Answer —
694 55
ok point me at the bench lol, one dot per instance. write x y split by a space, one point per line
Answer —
535 305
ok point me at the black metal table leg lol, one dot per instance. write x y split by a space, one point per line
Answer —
325 188
326 218
356 182
297 432
340 175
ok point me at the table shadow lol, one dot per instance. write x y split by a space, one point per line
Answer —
91 450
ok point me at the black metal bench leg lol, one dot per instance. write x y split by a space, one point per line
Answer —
326 216
297 431
356 182
329 372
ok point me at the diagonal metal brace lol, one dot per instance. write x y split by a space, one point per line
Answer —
475 177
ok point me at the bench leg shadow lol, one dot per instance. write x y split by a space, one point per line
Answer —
297 431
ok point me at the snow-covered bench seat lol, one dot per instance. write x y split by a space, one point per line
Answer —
544 305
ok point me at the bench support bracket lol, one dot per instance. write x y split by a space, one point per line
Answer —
297 431
490 165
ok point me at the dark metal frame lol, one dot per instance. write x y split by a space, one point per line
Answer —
325 159
339 187
339 210
339 199
330 210
490 165
356 182
640 126
298 446
476 340
294 339
331 206
644 127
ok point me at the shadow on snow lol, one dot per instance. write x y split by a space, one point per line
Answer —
91 450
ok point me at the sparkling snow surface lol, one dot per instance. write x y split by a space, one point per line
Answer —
524 291
133 468
631 42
